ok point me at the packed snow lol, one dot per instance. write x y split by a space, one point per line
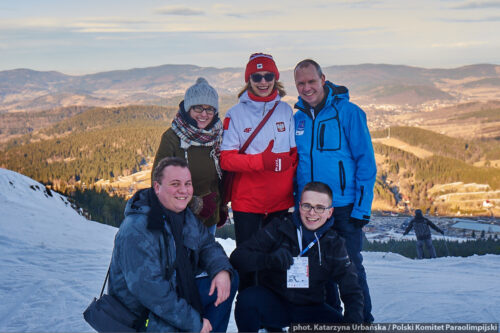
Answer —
53 262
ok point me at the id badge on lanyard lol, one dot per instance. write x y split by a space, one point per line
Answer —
297 276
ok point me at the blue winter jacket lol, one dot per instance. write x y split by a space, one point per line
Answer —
140 275
335 147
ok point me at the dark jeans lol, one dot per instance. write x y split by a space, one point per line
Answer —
245 226
258 307
218 316
430 248
354 244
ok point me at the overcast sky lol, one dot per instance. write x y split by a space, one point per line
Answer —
79 37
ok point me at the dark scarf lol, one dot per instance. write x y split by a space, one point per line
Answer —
185 278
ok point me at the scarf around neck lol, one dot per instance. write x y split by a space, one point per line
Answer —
269 98
194 136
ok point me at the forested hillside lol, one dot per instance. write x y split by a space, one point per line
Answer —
471 150
98 143
416 176
105 143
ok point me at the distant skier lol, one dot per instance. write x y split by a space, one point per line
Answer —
423 233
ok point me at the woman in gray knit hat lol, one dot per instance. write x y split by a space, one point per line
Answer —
196 136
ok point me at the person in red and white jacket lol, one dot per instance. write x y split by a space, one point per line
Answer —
263 184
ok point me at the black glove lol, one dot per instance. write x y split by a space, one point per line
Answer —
358 222
280 259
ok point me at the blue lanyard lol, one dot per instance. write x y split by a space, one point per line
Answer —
308 247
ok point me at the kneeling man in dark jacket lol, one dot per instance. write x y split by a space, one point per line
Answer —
160 248
296 256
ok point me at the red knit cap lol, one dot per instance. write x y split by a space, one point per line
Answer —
261 62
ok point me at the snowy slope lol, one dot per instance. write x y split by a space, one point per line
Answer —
53 261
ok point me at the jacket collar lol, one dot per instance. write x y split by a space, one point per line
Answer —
156 213
255 106
157 221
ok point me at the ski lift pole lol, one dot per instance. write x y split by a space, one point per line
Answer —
446 245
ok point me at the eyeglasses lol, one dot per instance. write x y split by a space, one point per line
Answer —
199 109
258 77
318 209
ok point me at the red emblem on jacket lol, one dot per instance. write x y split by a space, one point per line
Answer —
280 126
247 130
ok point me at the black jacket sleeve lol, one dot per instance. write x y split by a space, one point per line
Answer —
250 256
408 228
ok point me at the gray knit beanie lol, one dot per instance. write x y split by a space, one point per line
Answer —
201 93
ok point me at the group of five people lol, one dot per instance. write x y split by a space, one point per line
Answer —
290 266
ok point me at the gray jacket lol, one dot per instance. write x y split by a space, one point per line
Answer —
139 273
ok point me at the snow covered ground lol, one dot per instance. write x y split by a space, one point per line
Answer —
53 262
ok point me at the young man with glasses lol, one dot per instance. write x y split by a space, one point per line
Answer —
296 256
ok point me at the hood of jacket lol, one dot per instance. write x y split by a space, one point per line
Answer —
146 202
139 203
333 94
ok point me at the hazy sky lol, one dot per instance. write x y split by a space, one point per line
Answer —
78 37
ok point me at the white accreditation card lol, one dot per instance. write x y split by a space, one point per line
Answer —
297 275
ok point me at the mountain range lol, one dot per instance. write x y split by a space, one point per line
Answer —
30 90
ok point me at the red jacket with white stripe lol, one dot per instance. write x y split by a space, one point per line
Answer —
256 190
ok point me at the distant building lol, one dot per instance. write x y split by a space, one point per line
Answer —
476 226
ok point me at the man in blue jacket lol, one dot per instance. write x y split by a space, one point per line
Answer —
334 147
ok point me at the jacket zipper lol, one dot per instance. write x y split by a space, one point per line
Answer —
312 145
342 176
362 189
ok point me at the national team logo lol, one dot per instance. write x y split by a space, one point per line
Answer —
280 126
300 127
260 66
247 130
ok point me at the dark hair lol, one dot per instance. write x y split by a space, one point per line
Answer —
277 85
318 187
165 162
306 63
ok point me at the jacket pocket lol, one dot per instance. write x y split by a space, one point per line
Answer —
328 134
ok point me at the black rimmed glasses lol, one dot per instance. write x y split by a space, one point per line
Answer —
258 77
199 109
318 209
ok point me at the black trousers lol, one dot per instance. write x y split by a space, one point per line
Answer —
259 306
245 226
